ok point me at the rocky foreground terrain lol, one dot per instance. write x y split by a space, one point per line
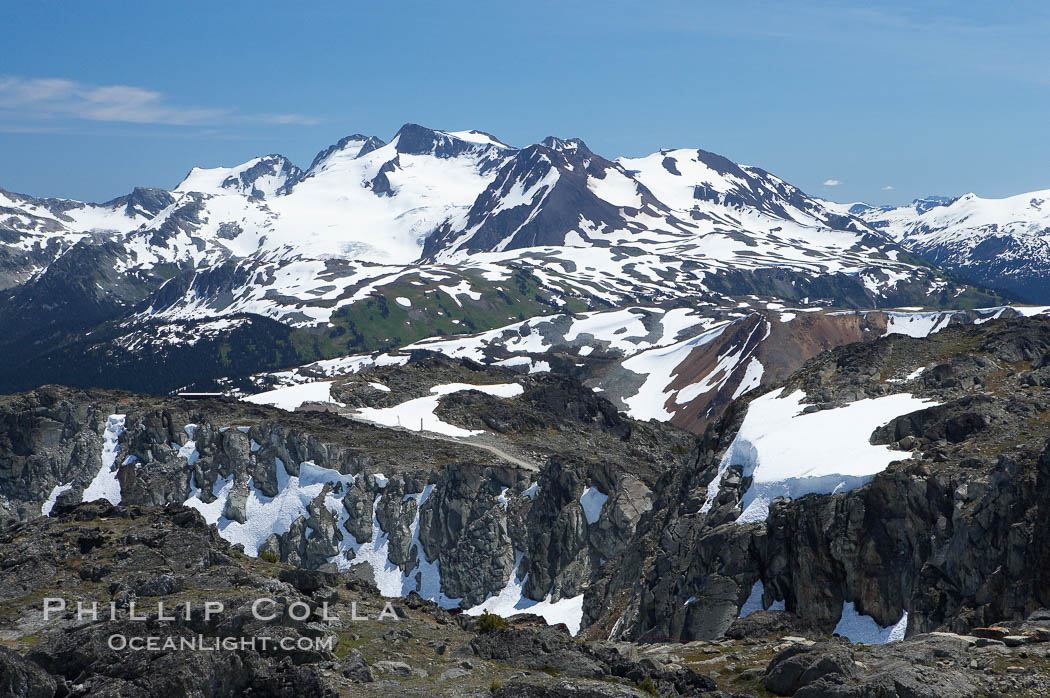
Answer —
639 538
137 557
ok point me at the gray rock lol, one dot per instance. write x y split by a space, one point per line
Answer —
391 667
20 678
237 503
799 666
454 673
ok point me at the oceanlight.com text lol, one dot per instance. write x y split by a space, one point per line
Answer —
204 643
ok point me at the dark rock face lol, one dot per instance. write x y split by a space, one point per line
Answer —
555 210
471 518
798 667
143 201
156 553
767 624
20 678
413 139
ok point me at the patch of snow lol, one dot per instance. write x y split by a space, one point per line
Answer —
917 324
105 484
616 188
754 601
461 289
291 397
752 378
45 509
267 515
419 412
514 361
403 302
503 499
659 365
511 600
864 629
212 511
592 500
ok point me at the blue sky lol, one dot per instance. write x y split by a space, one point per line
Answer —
923 97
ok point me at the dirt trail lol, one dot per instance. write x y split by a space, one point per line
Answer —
495 450
473 442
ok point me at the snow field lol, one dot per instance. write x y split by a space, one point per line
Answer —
292 397
790 454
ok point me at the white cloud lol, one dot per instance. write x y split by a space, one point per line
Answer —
58 98
831 182
888 187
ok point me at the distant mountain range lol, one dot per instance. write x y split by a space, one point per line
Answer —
1000 243
377 245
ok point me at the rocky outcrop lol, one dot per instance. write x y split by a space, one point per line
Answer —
948 535
447 518
552 651
20 678
614 509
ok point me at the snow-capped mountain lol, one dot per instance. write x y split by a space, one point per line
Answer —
259 178
999 243
376 245
34 231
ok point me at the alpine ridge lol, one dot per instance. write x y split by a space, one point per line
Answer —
316 260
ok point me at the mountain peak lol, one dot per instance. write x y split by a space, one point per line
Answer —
354 146
259 178
562 145
413 139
